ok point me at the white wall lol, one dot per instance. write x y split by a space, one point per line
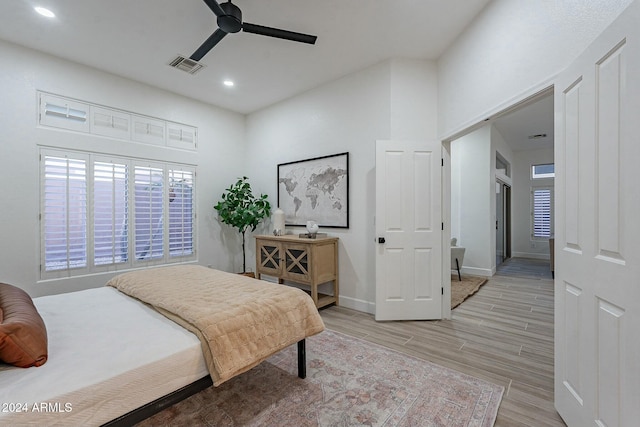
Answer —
218 160
473 196
414 92
471 188
512 49
523 245
394 99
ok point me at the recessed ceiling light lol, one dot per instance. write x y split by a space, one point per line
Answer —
44 12
228 83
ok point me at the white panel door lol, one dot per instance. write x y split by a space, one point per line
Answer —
408 230
597 269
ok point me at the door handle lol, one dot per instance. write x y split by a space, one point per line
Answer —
381 240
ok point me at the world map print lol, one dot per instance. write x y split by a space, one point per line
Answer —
315 189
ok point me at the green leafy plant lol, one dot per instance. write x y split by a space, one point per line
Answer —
240 209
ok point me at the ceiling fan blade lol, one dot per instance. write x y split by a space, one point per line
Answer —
278 33
215 7
208 44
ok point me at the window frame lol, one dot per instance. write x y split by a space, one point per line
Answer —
131 262
549 175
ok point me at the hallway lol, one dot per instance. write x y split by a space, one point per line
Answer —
525 267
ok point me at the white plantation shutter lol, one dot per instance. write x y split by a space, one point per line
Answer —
81 116
148 130
181 136
181 213
149 207
64 212
63 113
542 212
103 214
110 213
108 122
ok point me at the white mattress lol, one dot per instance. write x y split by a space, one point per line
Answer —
108 354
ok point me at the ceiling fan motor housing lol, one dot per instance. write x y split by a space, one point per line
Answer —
231 21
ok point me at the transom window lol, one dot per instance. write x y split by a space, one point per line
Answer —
110 213
543 171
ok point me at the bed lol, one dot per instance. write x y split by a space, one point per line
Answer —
111 352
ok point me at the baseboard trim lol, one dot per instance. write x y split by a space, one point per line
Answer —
530 255
475 271
358 304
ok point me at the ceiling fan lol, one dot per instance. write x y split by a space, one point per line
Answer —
229 19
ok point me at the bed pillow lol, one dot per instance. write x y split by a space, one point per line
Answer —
23 335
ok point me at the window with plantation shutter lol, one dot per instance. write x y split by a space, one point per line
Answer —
101 214
64 215
148 130
542 212
63 113
110 213
108 122
75 115
181 214
148 205
181 136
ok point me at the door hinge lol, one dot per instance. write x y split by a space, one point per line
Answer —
442 161
442 290
442 226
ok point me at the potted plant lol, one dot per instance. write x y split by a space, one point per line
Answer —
240 209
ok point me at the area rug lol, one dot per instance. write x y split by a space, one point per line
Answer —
350 382
461 290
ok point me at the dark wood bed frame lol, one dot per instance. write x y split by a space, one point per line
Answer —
164 402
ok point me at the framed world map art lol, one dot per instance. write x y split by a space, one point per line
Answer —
315 190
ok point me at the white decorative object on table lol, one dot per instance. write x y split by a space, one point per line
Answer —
312 228
278 222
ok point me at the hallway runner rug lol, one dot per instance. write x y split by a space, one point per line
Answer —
350 382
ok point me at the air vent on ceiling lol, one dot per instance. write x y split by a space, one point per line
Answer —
185 64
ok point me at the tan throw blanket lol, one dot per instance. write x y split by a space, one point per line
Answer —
239 320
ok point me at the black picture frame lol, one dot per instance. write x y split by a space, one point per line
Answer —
325 195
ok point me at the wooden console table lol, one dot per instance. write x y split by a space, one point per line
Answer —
311 262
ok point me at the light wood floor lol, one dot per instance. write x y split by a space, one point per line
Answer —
503 334
524 267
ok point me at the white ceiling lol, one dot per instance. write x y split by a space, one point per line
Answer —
535 118
137 39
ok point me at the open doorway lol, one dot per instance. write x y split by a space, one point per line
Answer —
492 186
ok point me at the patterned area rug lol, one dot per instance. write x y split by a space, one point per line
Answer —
461 290
350 382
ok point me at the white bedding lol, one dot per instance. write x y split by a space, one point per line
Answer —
108 354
